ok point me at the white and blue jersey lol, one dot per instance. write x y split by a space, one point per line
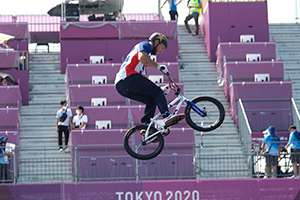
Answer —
294 140
268 141
131 64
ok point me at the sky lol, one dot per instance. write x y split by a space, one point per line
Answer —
277 10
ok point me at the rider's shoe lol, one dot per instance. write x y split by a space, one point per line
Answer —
173 119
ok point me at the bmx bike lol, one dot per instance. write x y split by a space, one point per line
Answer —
203 113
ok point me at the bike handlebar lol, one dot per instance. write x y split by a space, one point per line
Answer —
172 84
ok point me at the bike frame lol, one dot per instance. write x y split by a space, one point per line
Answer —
181 99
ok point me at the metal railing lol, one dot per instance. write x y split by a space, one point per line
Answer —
244 128
8 170
296 115
227 164
41 164
111 163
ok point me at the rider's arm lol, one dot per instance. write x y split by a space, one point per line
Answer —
146 60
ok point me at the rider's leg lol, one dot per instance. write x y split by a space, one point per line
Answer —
140 88
150 109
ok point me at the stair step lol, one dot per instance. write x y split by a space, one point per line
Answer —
48 76
40 159
34 72
46 92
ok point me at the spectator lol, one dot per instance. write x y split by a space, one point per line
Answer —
5 45
80 120
3 159
3 81
195 9
173 9
271 150
119 16
294 142
63 125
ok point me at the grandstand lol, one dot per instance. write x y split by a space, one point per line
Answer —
221 164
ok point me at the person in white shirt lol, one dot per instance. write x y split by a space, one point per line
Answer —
63 124
80 120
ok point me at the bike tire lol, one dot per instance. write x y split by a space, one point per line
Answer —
220 112
128 144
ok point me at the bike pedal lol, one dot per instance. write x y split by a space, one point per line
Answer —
166 133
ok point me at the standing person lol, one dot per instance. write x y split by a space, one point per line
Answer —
195 9
132 82
294 142
3 159
80 120
63 124
173 9
271 150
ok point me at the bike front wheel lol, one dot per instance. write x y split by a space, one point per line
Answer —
138 148
204 113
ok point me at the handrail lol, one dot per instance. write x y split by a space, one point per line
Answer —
244 128
244 114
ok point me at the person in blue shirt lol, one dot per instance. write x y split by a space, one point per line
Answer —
173 9
3 159
271 148
294 142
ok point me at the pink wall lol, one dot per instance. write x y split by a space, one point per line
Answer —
266 189
22 77
79 51
227 21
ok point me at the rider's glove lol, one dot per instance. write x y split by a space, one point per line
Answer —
165 89
163 69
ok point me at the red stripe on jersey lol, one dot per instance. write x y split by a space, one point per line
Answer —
130 68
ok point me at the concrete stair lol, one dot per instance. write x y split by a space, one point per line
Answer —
200 79
39 158
287 38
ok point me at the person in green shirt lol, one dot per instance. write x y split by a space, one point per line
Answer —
195 9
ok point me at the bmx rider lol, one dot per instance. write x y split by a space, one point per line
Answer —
132 82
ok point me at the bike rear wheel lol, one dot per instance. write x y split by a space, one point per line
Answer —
213 117
134 145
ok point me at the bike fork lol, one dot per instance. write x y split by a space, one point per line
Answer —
196 109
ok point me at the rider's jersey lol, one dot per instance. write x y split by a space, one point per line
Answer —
131 64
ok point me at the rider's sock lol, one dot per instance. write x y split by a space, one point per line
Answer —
166 114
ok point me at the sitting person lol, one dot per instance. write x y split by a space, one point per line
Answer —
80 120
5 45
3 81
